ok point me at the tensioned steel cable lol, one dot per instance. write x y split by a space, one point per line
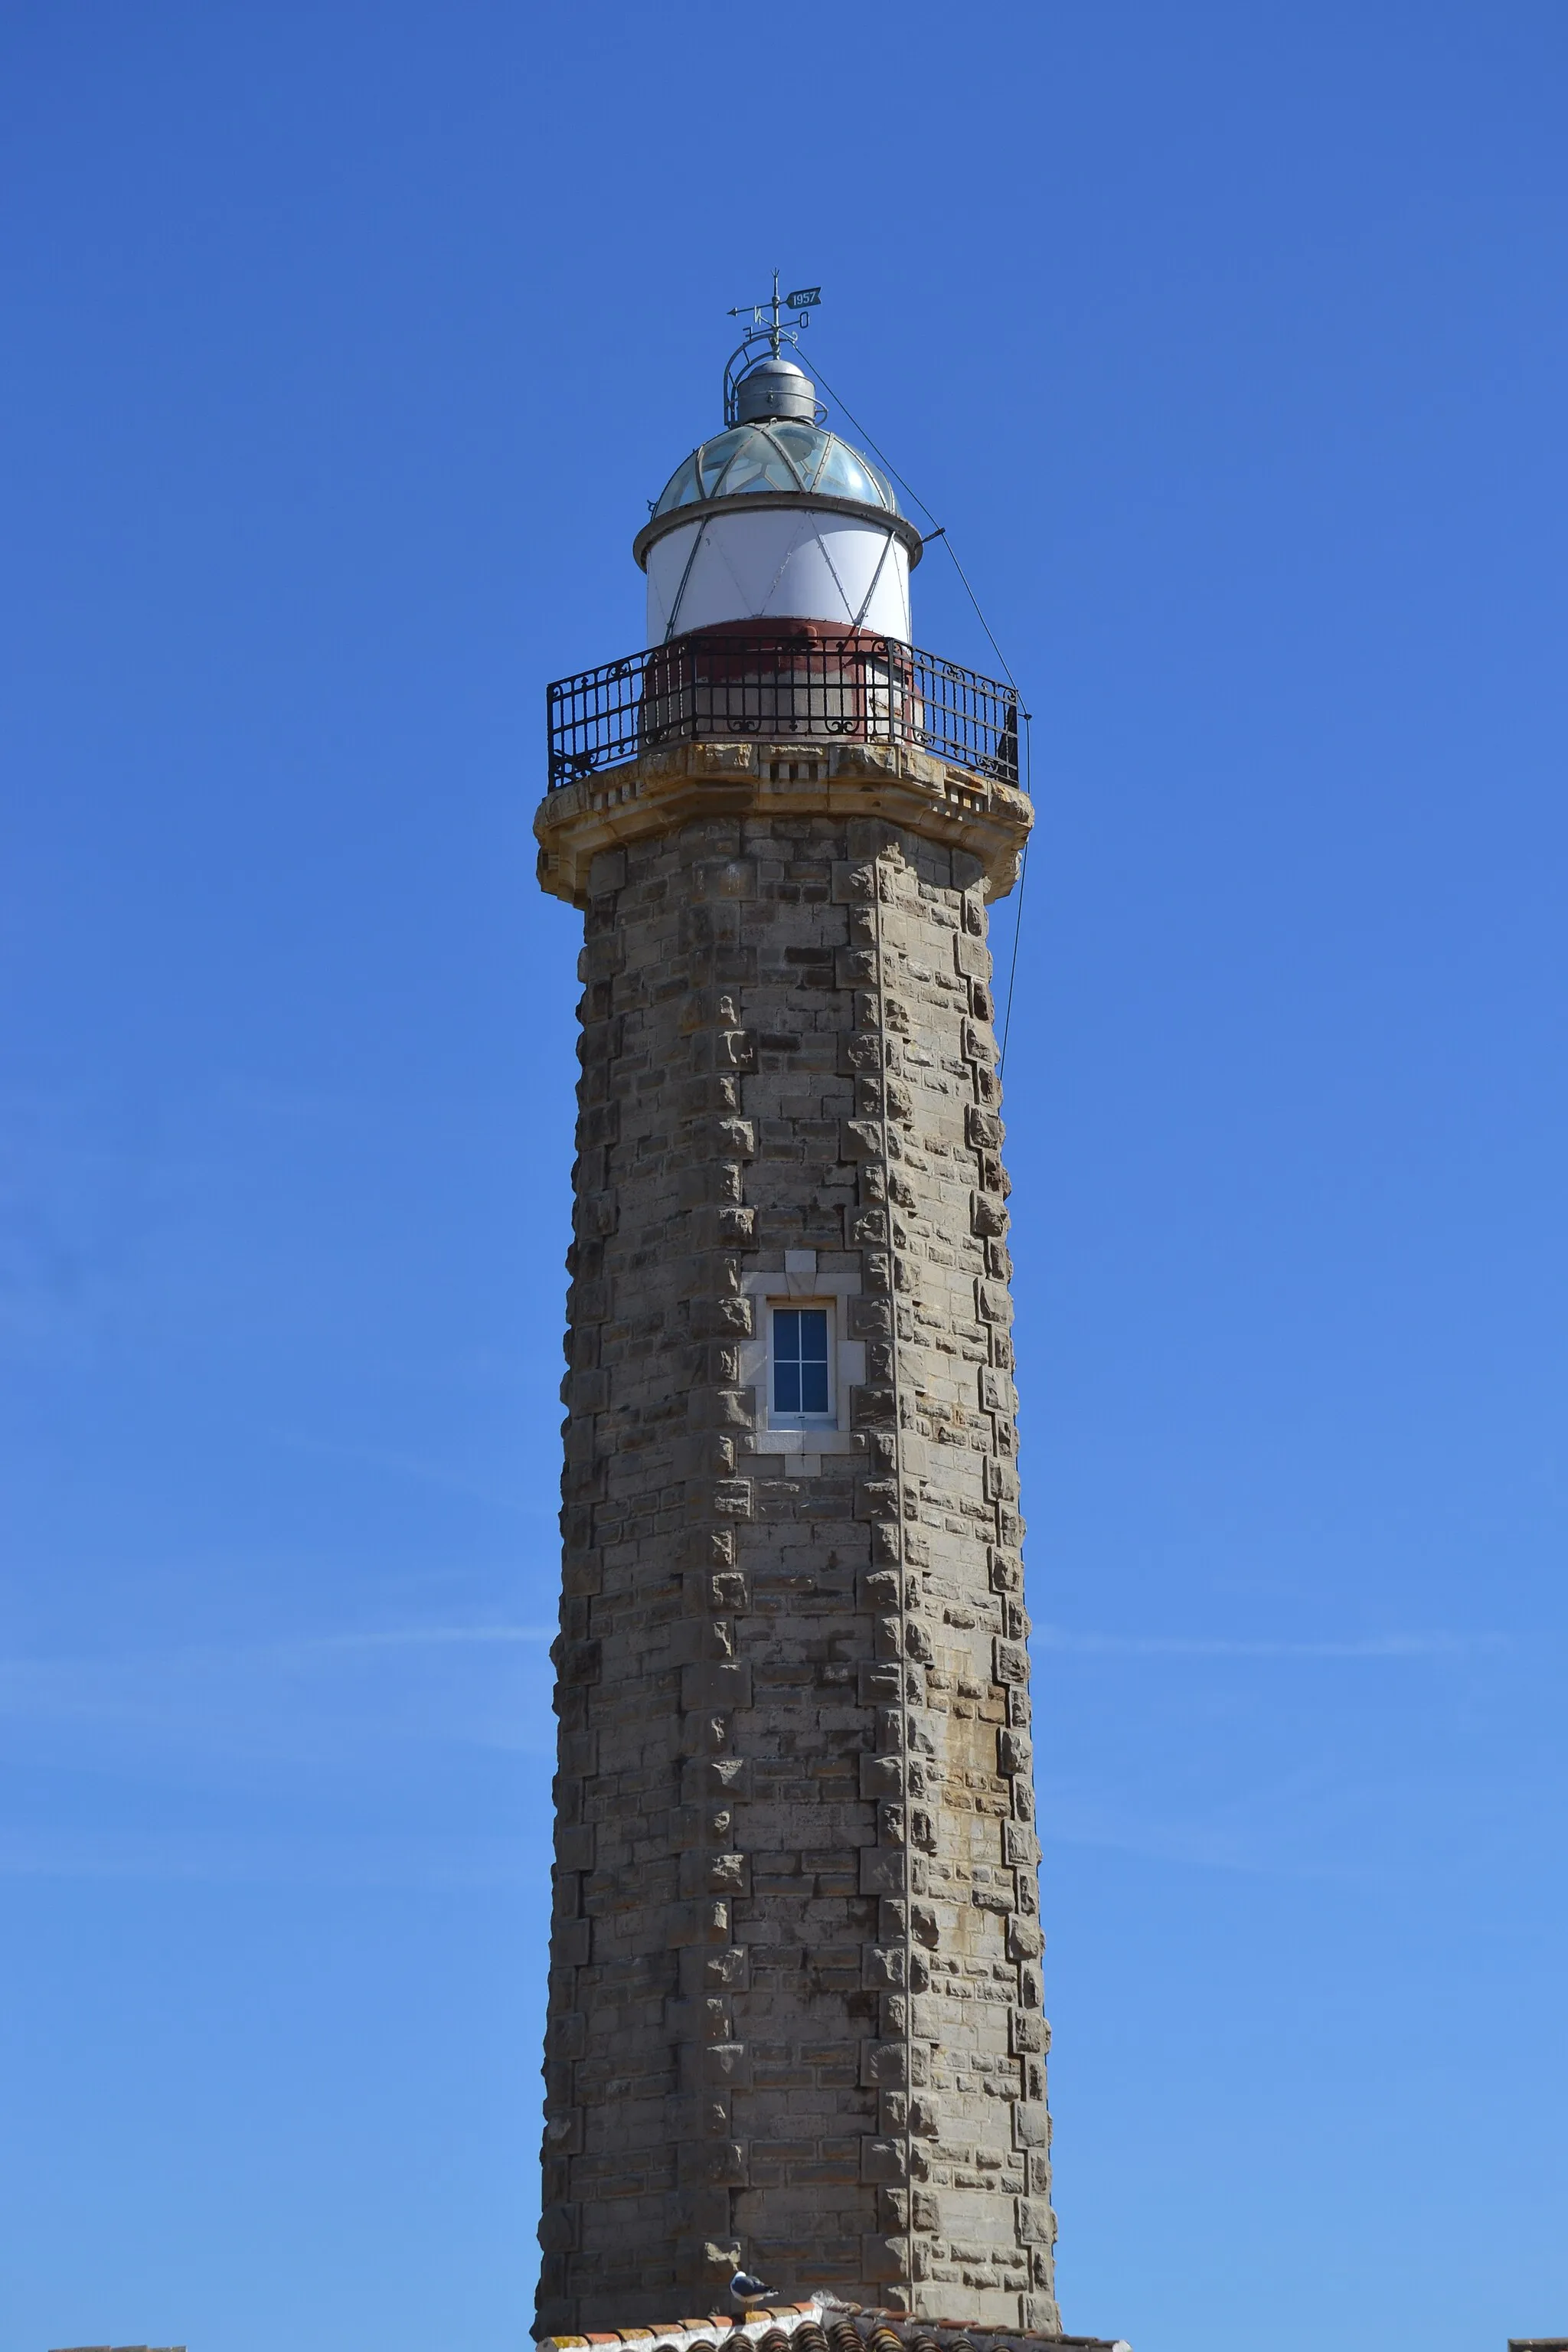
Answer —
939 531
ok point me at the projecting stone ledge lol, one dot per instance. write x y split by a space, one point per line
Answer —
824 2325
663 789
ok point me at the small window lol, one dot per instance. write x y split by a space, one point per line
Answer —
802 1384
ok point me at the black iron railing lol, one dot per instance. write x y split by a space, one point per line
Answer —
805 687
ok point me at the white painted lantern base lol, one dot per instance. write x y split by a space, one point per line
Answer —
778 563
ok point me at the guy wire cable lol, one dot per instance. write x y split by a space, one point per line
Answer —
1023 882
939 531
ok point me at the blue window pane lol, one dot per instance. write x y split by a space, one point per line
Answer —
800 1359
813 1321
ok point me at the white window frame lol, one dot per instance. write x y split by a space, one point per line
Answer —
807 1279
803 1421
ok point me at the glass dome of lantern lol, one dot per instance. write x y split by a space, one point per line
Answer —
768 455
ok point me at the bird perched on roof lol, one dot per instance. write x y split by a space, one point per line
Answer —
749 2290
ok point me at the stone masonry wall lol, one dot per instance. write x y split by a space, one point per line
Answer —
794 1995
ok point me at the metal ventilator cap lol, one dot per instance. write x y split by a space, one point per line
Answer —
775 388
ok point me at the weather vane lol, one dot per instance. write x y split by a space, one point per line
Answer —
804 300
768 327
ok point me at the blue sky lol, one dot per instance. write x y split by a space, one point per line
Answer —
345 344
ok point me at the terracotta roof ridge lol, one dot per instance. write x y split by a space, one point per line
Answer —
783 2318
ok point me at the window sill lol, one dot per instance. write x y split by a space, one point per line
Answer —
826 1440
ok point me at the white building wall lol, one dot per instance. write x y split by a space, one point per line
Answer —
778 563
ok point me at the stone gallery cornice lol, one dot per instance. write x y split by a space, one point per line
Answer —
685 783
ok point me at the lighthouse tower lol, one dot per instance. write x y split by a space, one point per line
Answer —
794 2018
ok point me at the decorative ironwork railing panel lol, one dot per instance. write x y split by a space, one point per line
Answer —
808 687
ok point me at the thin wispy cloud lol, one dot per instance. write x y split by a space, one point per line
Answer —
300 1649
410 1637
313 1697
409 1466
1210 1645
246 1858
1268 1843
